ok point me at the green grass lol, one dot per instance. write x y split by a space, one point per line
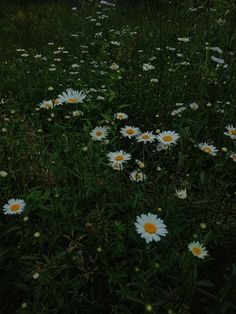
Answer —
88 257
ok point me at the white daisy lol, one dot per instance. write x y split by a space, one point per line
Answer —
137 176
150 227
71 96
129 131
46 104
198 249
120 116
182 194
207 148
13 207
118 157
231 131
116 166
146 137
233 156
168 137
99 133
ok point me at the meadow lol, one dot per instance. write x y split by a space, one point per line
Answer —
118 157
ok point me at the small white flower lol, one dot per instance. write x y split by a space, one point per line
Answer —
193 106
148 67
207 148
129 131
46 104
233 156
3 173
168 137
184 39
118 157
137 176
150 227
217 49
71 96
77 113
14 206
198 249
114 66
146 137
231 131
99 133
182 194
121 116
217 60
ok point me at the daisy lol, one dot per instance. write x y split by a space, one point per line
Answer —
233 156
129 131
168 137
207 148
182 194
14 206
231 131
99 133
137 176
116 166
150 227
198 249
71 96
120 116
46 104
118 157
146 137
57 102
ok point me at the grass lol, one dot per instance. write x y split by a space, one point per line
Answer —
75 248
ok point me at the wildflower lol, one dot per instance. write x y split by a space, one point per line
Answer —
217 49
184 39
77 113
193 106
148 307
231 131
37 234
99 133
217 60
182 194
168 137
150 227
146 137
118 157
120 116
3 173
198 249
137 176
35 275
129 131
207 148
114 66
140 163
147 67
116 166
162 146
71 96
46 104
14 206
233 156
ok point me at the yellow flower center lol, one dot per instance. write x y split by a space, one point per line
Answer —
15 207
98 133
119 158
233 132
120 116
72 100
167 138
130 131
145 137
150 228
207 150
47 105
196 250
56 101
